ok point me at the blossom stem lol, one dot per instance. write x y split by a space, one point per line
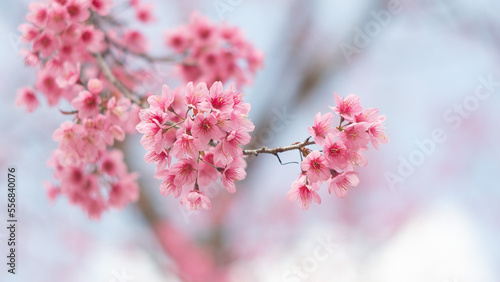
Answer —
173 111
340 124
200 159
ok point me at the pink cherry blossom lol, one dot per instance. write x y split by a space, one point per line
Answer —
368 115
209 60
112 163
195 199
232 143
303 192
95 86
341 183
336 152
60 2
177 39
92 39
205 128
221 157
57 18
321 128
355 136
28 32
185 171
46 43
68 52
72 34
186 145
163 159
39 13
356 158
102 7
26 97
197 96
162 102
30 58
203 30
316 167
69 76
206 170
52 190
78 10
168 185
347 107
151 126
67 133
144 13
377 134
118 112
87 104
75 177
219 100
215 53
46 83
124 191
135 41
54 65
234 171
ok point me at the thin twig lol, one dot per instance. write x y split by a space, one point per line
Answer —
275 151
115 81
144 56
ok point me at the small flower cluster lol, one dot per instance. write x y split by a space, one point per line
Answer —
65 38
203 129
343 148
214 53
88 173
143 11
61 41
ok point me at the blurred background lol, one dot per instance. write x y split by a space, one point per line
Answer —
427 206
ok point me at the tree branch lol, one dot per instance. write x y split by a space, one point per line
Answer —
115 81
130 95
276 150
150 59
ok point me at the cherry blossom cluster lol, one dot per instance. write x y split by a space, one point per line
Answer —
343 148
61 42
194 134
143 11
65 40
86 171
203 130
63 35
214 53
62 39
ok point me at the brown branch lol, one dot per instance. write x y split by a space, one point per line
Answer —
130 95
276 150
115 81
144 56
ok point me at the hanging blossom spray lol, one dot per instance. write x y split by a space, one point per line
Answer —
195 134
